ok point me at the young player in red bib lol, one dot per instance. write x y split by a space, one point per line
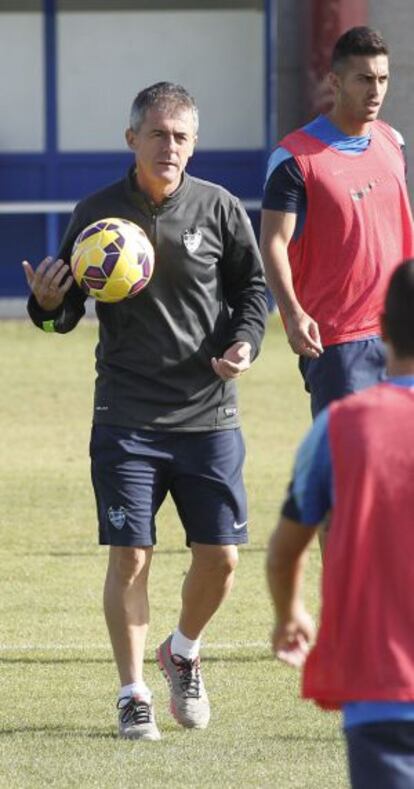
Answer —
357 463
336 222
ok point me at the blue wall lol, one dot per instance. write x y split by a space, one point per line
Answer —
24 177
55 176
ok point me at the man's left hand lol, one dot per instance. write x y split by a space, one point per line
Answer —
234 362
291 640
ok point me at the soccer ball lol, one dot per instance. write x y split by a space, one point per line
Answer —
112 259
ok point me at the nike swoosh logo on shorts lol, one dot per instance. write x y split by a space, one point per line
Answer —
238 526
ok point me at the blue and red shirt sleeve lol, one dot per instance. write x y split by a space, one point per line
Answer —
284 188
310 495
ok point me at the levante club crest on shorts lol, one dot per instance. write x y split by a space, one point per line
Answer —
192 238
117 517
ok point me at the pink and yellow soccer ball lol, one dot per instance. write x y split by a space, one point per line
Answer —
112 259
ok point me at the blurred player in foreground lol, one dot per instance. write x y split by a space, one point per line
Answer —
358 462
166 417
336 221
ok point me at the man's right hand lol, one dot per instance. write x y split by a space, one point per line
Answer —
49 282
303 335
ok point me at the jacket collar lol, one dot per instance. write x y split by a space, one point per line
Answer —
140 199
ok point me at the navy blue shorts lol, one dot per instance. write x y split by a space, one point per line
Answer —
133 470
341 370
381 755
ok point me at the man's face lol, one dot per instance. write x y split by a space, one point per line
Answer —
162 147
360 87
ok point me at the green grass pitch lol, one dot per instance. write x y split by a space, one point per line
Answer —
57 678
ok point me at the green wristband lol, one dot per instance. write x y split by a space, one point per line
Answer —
48 325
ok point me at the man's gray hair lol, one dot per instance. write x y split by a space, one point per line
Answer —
163 95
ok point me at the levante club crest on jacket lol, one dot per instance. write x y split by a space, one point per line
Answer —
192 238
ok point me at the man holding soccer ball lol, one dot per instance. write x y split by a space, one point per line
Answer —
165 415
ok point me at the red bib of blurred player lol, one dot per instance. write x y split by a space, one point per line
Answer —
364 649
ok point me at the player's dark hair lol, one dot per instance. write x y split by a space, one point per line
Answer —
357 41
163 95
399 309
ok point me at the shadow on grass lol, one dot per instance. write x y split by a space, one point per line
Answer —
32 660
158 552
92 553
62 554
56 732
28 660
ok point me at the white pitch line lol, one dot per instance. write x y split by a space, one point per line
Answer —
234 645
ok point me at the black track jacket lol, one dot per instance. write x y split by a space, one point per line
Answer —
153 355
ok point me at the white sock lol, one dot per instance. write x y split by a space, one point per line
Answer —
181 645
134 689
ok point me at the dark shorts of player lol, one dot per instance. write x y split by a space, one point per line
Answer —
381 755
133 470
341 370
